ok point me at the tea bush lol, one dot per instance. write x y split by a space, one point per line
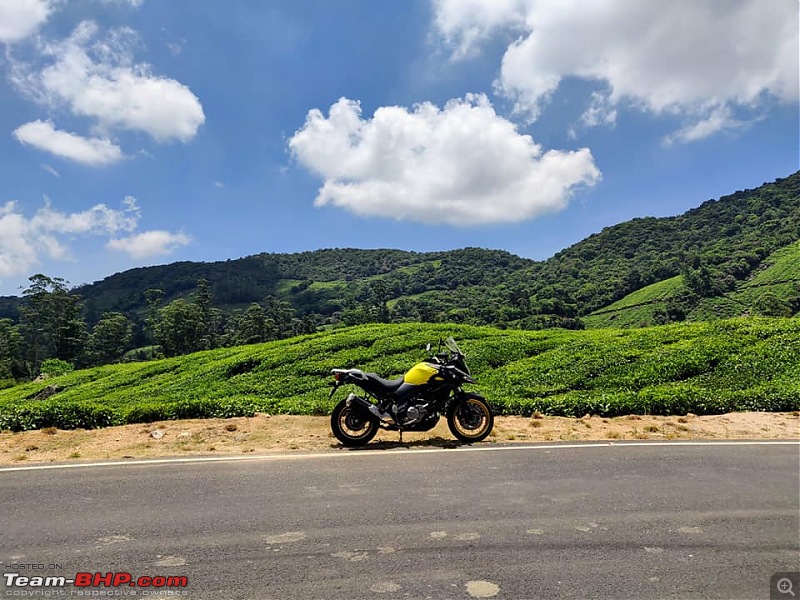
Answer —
704 368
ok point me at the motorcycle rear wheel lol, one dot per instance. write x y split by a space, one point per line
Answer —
352 428
470 420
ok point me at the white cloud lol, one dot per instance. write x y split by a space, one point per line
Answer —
44 136
462 165
98 78
601 111
97 220
465 23
20 19
719 120
175 48
24 241
149 243
688 58
131 3
17 249
51 170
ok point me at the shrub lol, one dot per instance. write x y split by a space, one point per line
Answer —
59 414
54 367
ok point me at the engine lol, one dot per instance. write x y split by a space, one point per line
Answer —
414 414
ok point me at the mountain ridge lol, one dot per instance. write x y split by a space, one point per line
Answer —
717 245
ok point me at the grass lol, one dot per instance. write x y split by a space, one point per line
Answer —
701 368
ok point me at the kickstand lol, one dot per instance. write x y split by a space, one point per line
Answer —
401 436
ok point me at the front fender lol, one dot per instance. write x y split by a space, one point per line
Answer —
462 396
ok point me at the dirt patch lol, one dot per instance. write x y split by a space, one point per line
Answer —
264 434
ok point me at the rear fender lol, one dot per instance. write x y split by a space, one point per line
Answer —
347 376
355 376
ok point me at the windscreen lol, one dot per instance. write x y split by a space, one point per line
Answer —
452 346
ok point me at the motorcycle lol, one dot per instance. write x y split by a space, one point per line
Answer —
414 402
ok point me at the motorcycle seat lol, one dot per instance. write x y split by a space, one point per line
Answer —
379 385
371 382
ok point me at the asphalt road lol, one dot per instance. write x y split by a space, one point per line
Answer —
617 521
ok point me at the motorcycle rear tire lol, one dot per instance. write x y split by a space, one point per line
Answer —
352 428
470 420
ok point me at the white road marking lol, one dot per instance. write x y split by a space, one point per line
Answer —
113 539
688 529
352 556
391 453
482 589
169 561
285 538
385 587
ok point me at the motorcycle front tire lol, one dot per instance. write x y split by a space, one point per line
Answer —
352 428
470 419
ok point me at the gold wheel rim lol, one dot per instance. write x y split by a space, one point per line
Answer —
478 431
346 416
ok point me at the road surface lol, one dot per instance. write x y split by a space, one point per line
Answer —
560 521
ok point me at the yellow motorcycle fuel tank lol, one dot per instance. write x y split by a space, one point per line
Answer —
420 373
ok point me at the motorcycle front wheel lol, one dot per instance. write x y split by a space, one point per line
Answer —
352 428
470 420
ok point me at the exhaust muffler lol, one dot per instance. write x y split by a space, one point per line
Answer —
367 408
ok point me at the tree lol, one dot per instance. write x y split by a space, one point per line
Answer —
378 298
10 350
154 298
303 326
281 313
179 329
209 316
253 327
51 323
110 338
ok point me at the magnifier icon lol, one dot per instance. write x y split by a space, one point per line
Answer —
785 586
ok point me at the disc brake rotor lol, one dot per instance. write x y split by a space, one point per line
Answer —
353 422
470 416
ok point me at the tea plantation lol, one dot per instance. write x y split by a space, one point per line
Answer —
704 368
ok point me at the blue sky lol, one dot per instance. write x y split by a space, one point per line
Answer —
139 132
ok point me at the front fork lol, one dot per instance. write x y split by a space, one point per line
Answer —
460 396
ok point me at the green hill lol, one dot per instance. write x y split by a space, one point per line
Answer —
639 308
778 277
705 368
712 262
726 238
773 290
